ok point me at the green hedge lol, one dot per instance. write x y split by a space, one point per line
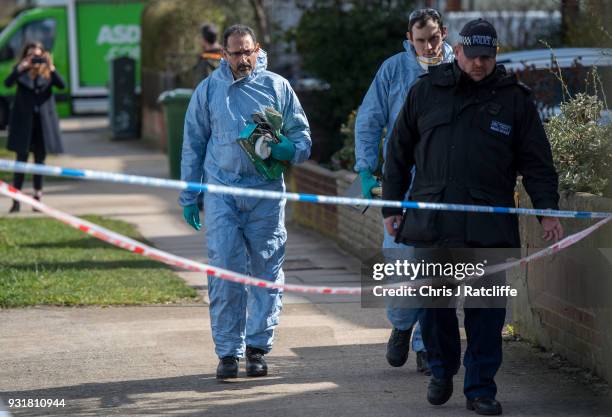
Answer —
344 43
581 142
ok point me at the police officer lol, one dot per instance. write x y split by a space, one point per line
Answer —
468 127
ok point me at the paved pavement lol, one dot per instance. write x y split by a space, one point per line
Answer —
159 360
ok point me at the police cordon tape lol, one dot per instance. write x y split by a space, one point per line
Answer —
6 165
131 245
550 250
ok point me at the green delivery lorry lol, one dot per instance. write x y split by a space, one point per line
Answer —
83 36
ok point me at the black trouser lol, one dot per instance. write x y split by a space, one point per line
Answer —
37 147
483 355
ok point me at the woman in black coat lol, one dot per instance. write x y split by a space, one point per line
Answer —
33 124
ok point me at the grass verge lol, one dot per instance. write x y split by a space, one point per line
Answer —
46 262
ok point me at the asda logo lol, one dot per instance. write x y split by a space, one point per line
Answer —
118 34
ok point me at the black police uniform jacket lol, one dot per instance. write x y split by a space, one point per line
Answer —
468 141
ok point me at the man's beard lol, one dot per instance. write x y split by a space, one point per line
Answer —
244 69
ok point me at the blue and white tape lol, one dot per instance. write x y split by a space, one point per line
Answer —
6 165
140 248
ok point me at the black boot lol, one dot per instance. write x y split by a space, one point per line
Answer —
227 368
15 207
439 390
398 347
484 406
422 364
255 363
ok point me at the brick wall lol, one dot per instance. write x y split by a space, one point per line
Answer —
352 230
552 308
309 178
357 231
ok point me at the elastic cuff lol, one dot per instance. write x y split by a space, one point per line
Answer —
391 211
394 191
546 204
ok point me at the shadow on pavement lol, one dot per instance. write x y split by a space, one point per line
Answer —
346 380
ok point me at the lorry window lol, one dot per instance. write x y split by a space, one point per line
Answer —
39 30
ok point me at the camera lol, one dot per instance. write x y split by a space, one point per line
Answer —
39 60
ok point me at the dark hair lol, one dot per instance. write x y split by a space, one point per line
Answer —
31 45
209 32
242 30
421 16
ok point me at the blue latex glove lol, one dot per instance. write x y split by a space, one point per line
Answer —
191 214
284 150
367 183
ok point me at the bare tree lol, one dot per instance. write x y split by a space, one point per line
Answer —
570 9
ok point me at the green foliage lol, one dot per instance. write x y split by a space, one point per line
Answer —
344 43
47 262
345 157
581 145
